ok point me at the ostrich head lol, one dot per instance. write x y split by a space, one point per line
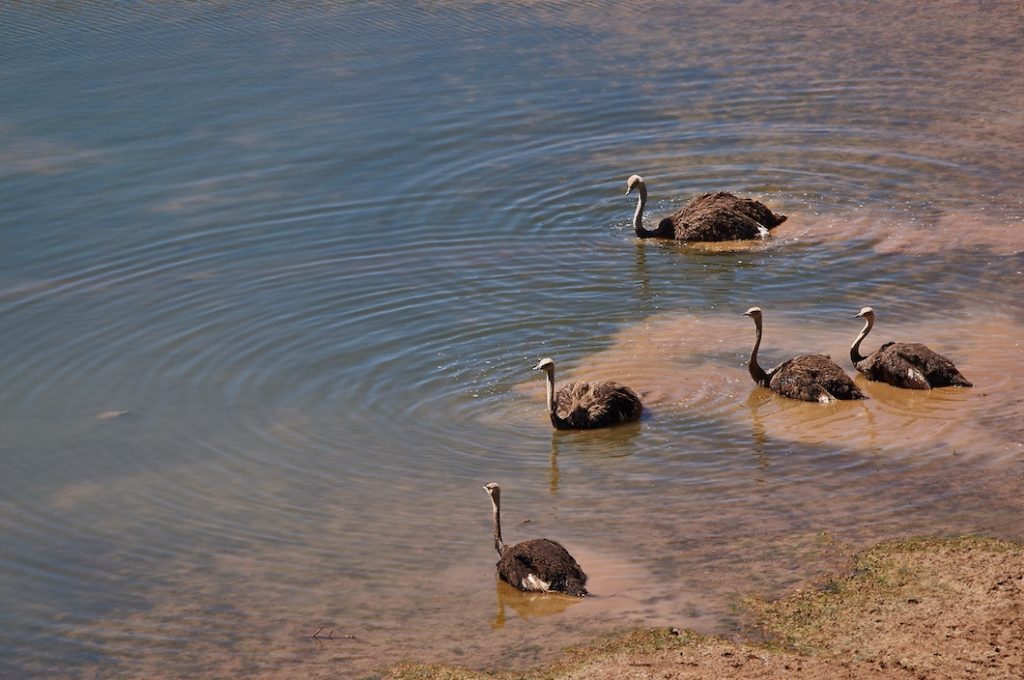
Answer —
754 313
633 182
547 365
865 313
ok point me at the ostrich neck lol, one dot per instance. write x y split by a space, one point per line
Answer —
555 419
638 216
549 383
855 355
756 372
499 545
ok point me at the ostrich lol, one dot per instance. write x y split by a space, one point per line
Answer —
539 564
716 216
903 364
812 377
585 406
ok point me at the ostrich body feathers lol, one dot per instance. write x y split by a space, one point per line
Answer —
910 365
585 405
542 565
812 377
718 216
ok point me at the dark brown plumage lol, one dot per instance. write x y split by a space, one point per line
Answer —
717 216
904 364
539 564
585 406
812 377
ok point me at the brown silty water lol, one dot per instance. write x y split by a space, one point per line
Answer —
815 482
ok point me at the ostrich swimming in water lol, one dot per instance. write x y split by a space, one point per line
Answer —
585 406
904 364
716 216
539 564
812 377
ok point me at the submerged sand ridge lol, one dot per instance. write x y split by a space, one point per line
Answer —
683 362
1000 233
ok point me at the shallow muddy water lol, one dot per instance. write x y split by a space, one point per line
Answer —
274 279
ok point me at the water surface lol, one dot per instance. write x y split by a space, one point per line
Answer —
273 279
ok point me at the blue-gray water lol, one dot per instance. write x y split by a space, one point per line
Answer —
272 279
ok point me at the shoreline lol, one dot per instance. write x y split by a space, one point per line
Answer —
912 608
